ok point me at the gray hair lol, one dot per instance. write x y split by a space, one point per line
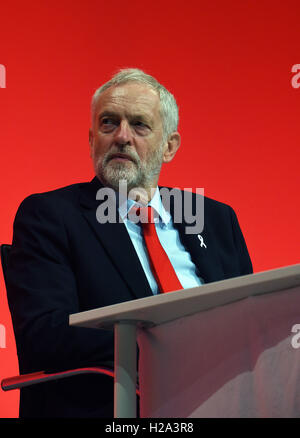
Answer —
169 108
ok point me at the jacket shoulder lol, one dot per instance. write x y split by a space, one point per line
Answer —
67 193
51 203
209 203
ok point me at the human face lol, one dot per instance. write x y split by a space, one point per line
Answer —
126 136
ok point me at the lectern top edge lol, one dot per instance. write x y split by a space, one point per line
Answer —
166 307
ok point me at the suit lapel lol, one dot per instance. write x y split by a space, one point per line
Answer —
203 251
116 242
205 258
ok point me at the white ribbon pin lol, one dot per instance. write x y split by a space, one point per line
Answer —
201 241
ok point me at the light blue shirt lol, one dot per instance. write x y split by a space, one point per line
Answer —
169 238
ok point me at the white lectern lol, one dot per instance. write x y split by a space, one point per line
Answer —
207 351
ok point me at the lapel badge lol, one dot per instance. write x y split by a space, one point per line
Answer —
202 244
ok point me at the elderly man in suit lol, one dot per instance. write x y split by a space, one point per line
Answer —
66 257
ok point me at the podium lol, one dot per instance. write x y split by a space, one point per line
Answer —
224 349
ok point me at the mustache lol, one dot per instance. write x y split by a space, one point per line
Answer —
126 152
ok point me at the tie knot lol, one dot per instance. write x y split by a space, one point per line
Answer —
144 215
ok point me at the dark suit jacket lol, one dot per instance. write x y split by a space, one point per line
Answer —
62 262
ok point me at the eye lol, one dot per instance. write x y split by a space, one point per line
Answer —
107 121
140 126
107 124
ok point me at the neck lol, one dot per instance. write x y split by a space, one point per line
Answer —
142 195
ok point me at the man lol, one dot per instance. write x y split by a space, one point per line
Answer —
66 258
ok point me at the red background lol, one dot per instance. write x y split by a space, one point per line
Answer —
227 62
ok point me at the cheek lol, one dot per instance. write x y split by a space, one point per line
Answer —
144 154
152 149
146 148
96 153
100 146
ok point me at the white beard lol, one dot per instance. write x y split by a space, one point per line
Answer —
135 173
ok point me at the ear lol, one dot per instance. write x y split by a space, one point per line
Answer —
171 147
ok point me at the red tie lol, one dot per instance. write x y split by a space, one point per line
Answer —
161 266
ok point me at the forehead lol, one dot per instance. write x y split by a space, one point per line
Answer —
130 98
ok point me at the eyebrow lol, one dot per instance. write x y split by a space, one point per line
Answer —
107 113
142 117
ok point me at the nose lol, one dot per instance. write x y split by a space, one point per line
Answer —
123 135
